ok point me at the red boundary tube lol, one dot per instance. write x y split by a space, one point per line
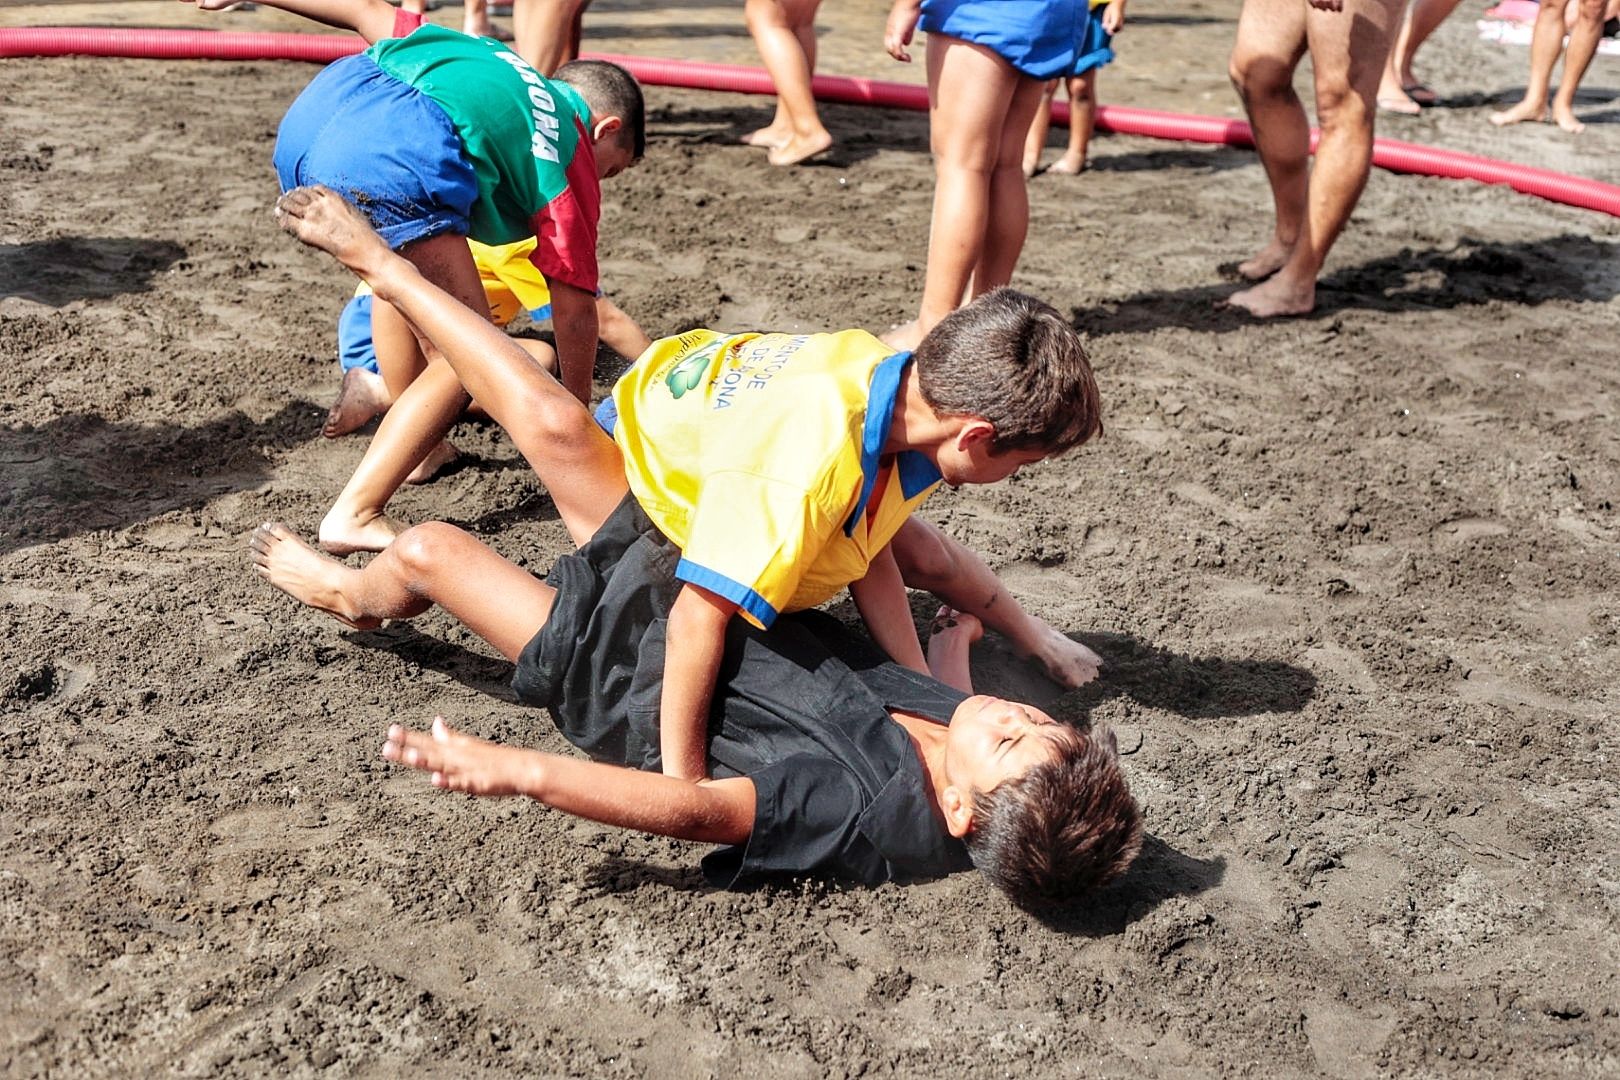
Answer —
324 48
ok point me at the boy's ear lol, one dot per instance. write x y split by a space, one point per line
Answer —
605 128
974 429
958 811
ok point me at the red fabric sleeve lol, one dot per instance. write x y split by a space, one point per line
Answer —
407 21
565 228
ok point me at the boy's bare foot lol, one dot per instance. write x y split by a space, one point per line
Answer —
1068 663
362 397
437 459
800 148
344 533
768 137
1068 165
902 336
1524 110
457 762
1274 298
1565 119
321 218
1267 261
305 574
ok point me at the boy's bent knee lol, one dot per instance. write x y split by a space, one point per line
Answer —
431 546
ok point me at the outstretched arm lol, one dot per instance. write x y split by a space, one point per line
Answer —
712 811
931 560
371 19
573 318
881 599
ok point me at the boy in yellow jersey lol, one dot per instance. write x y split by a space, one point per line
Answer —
380 356
780 467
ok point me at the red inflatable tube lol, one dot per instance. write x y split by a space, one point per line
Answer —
324 48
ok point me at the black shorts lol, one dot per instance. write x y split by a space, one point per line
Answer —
582 665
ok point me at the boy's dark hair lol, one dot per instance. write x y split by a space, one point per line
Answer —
1064 828
610 91
1014 361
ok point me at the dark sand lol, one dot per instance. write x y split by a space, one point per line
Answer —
1354 576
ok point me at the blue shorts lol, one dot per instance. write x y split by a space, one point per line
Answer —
1095 48
355 347
384 146
1038 37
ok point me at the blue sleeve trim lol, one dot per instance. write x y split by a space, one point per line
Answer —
717 583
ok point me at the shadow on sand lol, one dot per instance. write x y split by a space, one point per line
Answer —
58 272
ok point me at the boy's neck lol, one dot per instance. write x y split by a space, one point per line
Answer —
928 743
915 425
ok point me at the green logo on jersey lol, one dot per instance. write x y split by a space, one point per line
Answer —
687 374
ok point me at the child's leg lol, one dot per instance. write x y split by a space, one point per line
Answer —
1546 42
777 26
1009 195
1583 43
429 564
1038 129
580 466
970 93
1270 43
1082 115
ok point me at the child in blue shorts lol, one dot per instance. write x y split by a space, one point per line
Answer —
987 61
1095 50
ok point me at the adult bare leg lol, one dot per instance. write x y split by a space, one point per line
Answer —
1399 89
1008 223
1348 50
1270 43
775 26
1583 43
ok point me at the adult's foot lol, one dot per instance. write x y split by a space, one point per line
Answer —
1067 662
1267 261
1068 165
343 532
1400 104
1420 94
362 397
305 574
1523 111
321 218
1275 297
800 148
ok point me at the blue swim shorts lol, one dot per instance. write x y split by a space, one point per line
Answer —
1095 48
383 145
1038 37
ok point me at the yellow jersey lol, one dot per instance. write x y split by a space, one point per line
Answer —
759 454
511 282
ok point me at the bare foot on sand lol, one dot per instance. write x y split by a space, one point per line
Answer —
1274 298
1068 165
1267 261
903 336
1565 119
362 397
343 532
1032 166
1068 663
437 459
1518 114
321 218
305 574
800 148
769 137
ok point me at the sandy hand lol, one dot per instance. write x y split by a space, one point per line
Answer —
323 219
457 762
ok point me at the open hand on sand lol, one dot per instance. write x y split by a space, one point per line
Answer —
321 218
457 762
305 574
